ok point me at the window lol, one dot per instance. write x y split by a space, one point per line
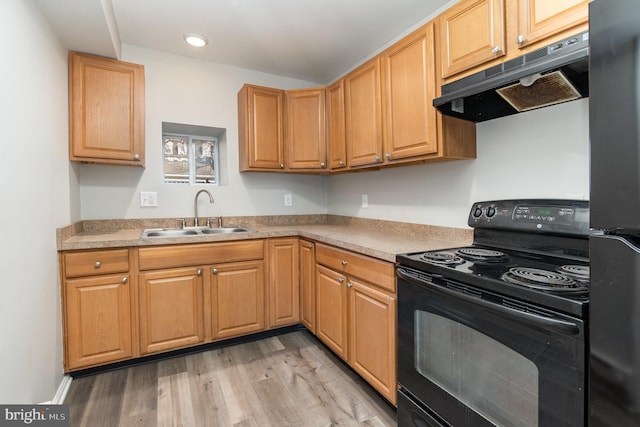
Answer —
190 159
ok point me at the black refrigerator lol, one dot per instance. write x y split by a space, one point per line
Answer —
614 127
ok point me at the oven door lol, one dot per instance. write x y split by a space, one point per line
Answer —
473 358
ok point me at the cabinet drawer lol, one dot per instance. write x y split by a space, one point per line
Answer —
377 272
90 263
208 253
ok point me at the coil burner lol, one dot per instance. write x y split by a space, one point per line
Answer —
576 272
542 279
482 255
441 258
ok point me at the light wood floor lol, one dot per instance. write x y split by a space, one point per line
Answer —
287 380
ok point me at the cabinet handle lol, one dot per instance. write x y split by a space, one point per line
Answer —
341 163
136 157
349 284
125 280
378 159
520 39
323 165
387 156
281 165
341 280
496 50
98 264
214 271
199 272
310 245
344 262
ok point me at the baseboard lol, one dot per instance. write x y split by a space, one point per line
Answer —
62 391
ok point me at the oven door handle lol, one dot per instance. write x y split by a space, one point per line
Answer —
545 322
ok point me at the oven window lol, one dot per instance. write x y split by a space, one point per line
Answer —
487 376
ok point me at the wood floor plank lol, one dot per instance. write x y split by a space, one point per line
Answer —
286 380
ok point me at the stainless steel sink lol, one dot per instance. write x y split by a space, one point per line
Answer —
224 230
192 231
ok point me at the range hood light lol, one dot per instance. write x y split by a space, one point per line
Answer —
529 80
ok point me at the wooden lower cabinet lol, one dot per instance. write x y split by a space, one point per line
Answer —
307 284
331 309
237 298
171 309
372 336
283 287
98 320
356 314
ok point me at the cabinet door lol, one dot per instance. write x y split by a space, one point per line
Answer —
363 115
171 309
284 290
540 19
106 110
410 86
331 306
98 320
305 142
372 337
307 285
237 299
472 33
336 143
260 120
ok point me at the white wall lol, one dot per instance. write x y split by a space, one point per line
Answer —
35 185
542 153
191 91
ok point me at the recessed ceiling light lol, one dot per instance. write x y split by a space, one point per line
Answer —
196 40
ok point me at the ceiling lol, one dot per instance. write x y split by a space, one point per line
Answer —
312 40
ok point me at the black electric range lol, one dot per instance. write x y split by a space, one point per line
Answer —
532 250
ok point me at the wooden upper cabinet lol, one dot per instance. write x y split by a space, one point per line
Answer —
410 86
305 142
537 20
363 115
336 143
260 127
472 33
106 111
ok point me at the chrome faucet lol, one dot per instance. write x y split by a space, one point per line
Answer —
195 204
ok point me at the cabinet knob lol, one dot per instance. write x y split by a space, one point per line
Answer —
199 272
323 165
281 165
310 245
349 284
520 39
387 156
496 50
344 262
98 264
378 159
341 280
136 157
341 163
125 280
214 271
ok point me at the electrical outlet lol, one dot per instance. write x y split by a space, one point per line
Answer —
365 201
148 199
288 201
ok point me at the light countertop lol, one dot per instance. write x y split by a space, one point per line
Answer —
379 239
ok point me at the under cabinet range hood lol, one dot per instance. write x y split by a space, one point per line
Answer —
550 75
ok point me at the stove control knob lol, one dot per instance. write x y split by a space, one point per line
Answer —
491 212
477 212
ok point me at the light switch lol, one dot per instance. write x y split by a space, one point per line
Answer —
148 199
